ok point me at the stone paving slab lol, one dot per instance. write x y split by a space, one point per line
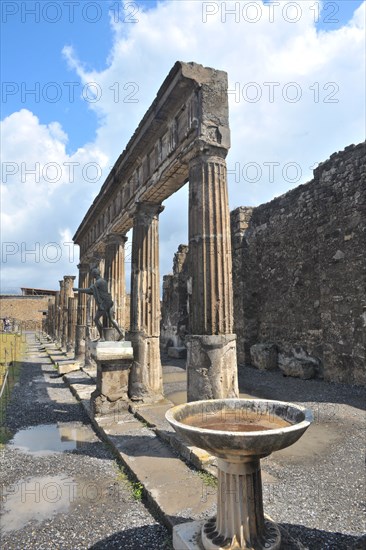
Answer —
152 462
67 365
154 416
139 448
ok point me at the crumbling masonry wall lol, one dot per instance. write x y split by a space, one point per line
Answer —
299 270
174 307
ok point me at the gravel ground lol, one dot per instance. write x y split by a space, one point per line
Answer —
317 487
75 499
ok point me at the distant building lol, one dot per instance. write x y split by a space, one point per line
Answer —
26 291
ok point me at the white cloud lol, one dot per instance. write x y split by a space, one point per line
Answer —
43 193
324 70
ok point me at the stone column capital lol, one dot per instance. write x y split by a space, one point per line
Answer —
145 209
94 260
68 278
204 151
83 267
115 238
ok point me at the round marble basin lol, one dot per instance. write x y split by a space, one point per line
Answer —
232 429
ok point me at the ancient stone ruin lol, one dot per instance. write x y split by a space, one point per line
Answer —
299 276
293 289
184 136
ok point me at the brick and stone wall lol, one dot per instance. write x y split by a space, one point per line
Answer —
24 311
299 271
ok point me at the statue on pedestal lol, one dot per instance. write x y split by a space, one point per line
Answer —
104 303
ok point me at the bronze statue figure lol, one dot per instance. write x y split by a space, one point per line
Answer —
104 303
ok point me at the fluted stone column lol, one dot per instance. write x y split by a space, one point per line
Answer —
68 293
71 322
60 310
146 372
49 317
52 320
211 348
114 273
56 316
81 313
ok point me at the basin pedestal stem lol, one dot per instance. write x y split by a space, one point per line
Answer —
240 521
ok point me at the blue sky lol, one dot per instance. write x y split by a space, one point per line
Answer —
66 51
33 38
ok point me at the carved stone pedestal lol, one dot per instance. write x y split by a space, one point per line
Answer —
240 523
114 360
211 367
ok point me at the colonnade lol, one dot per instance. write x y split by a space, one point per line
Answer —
68 321
211 343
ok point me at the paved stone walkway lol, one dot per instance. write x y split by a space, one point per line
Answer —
75 499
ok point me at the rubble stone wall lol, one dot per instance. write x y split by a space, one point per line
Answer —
174 307
299 271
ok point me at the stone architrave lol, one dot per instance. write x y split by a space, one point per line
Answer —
114 273
146 372
211 357
68 293
81 313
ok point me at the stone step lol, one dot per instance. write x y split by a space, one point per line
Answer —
173 488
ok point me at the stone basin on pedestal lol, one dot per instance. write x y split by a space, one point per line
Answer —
239 432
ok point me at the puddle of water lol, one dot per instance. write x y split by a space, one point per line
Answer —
170 377
225 422
177 397
37 499
315 441
52 438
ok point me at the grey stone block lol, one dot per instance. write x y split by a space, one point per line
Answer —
264 356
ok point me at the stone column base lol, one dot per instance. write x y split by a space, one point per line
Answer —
212 371
114 360
146 380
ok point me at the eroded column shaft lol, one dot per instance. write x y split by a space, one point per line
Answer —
81 313
60 312
114 274
68 293
146 374
211 360
71 323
